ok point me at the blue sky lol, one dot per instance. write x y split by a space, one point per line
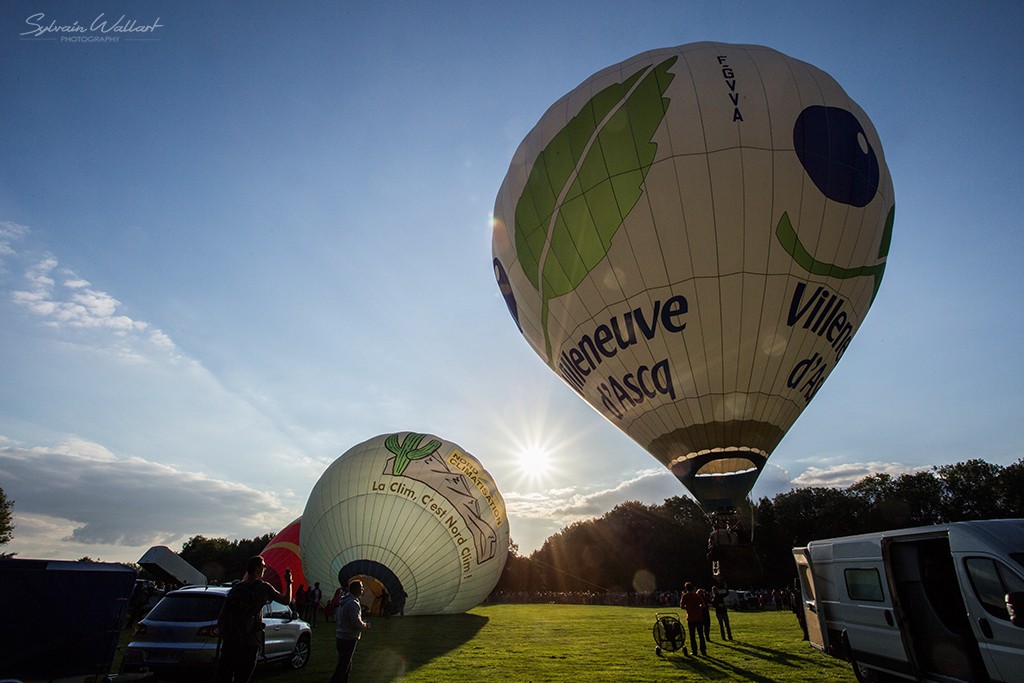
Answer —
260 236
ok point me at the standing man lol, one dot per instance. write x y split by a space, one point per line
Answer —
706 623
796 603
315 600
721 611
302 601
400 602
694 606
241 622
348 629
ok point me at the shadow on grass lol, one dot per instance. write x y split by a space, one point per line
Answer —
394 647
768 654
712 667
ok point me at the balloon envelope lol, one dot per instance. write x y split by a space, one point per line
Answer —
690 239
283 553
418 515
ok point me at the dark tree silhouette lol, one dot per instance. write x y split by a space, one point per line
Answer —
6 519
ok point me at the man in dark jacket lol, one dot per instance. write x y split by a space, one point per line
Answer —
241 622
316 597
721 611
348 628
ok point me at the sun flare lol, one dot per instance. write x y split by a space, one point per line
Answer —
534 460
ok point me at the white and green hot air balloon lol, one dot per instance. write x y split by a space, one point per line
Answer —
410 514
690 239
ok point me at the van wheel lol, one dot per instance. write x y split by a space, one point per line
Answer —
866 675
300 655
863 674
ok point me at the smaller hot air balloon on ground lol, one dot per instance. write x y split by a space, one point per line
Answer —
410 514
283 553
690 239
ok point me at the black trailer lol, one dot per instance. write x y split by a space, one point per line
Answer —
63 619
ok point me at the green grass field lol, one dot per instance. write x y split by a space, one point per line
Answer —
565 643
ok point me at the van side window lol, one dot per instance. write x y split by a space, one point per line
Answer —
864 584
991 581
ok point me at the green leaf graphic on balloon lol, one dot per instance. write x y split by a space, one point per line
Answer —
790 241
409 450
585 183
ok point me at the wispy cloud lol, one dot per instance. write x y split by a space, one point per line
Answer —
845 474
116 379
565 506
79 498
62 299
10 232
127 501
651 486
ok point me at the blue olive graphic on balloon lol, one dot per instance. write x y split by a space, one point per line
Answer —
831 144
506 291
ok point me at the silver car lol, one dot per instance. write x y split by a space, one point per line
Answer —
181 632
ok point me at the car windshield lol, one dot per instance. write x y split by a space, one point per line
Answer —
187 607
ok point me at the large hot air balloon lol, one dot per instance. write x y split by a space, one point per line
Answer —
690 239
411 514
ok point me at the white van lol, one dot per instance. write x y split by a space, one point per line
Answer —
928 603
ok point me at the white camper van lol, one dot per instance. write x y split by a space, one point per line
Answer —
929 603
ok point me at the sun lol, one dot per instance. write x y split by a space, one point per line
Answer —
534 460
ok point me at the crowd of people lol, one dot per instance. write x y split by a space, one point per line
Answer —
309 603
760 599
699 605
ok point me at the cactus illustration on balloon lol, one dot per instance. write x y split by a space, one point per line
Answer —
423 463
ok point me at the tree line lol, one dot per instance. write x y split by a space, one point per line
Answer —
221 560
639 547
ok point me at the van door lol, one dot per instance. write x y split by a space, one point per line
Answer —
985 581
809 598
934 616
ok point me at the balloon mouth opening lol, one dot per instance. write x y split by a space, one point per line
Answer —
720 478
726 467
376 578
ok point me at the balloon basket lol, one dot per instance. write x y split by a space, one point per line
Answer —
737 565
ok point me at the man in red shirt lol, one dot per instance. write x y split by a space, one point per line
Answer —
694 605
